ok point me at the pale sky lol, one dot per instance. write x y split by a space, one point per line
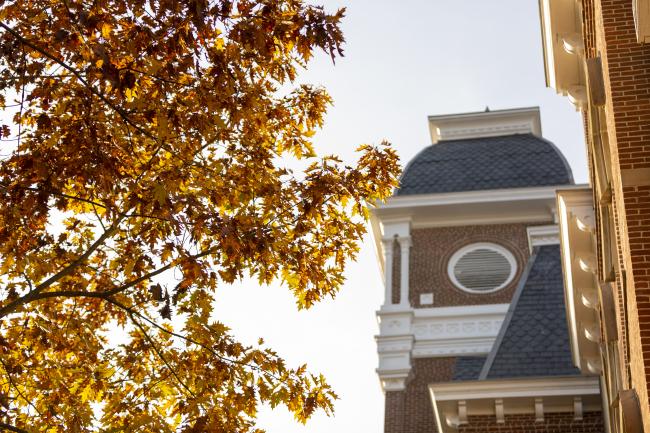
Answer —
404 61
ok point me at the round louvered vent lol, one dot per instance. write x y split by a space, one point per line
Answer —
482 268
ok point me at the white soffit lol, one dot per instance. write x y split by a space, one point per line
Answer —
563 47
543 387
577 226
454 403
485 124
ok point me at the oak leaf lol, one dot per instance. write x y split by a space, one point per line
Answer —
150 148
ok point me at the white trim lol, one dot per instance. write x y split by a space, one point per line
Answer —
405 251
514 396
453 347
485 124
539 409
461 311
498 410
406 333
399 214
480 219
387 247
466 197
543 235
577 408
491 389
460 253
577 243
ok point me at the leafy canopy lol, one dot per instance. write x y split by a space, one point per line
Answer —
146 140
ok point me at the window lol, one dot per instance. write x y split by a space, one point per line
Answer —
482 268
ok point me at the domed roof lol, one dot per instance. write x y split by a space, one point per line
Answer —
508 161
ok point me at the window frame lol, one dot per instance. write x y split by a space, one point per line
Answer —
461 252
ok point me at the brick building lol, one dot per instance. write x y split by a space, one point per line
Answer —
596 53
473 332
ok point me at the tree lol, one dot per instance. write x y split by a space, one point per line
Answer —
153 138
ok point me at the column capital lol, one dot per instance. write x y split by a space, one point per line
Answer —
405 241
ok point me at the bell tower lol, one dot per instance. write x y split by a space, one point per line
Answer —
457 244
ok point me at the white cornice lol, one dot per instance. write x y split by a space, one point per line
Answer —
499 206
472 197
563 52
576 215
485 124
407 333
461 311
490 389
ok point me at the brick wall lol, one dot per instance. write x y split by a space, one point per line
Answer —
432 248
626 65
410 411
592 422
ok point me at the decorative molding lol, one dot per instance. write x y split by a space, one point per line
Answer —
393 383
399 214
498 411
398 343
485 124
561 37
405 251
543 235
387 248
490 389
492 130
474 197
462 412
406 333
501 397
539 409
394 320
577 408
394 346
447 331
469 346
579 265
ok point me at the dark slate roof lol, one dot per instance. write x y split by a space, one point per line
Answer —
468 367
534 340
509 161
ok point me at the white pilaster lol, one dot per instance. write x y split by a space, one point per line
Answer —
405 249
388 269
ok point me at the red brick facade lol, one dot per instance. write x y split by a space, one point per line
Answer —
609 32
411 411
432 248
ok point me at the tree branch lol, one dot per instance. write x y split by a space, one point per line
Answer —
12 306
114 291
159 353
7 427
81 79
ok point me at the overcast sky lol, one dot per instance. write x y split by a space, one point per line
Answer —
404 60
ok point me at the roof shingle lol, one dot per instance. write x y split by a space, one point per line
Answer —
509 161
535 341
